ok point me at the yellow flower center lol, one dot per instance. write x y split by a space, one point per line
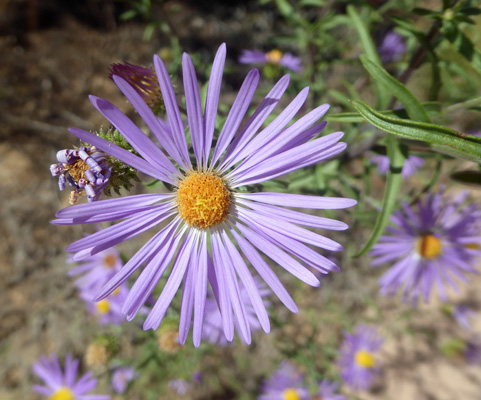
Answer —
290 394
364 359
62 394
203 200
110 260
103 306
274 56
429 246
472 246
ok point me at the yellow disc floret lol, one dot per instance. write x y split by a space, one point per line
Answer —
103 306
203 200
429 246
364 359
63 393
274 56
291 394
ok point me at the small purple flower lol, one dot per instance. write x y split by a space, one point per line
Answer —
96 270
142 79
213 330
429 247
63 385
410 167
327 391
472 353
392 47
180 386
85 169
274 57
462 314
201 221
121 377
358 358
285 384
108 310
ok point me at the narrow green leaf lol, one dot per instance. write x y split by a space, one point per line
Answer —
371 52
393 184
432 107
458 143
413 107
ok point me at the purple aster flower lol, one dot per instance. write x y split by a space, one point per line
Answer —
109 309
97 269
392 47
85 169
285 384
180 386
213 329
358 358
463 314
142 79
275 57
121 377
429 247
472 353
207 214
327 391
410 167
63 385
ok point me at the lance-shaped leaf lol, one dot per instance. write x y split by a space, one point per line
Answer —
446 140
413 107
371 52
393 184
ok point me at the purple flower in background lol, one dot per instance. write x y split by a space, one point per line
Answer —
109 309
462 314
63 385
97 269
328 391
358 358
85 169
472 353
121 377
410 167
213 329
143 80
180 386
429 247
202 217
392 47
285 384
275 57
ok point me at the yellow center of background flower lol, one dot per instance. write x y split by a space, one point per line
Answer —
110 260
290 394
429 246
103 306
274 56
472 246
62 394
364 359
203 200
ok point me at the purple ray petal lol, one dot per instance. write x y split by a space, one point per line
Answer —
299 200
200 291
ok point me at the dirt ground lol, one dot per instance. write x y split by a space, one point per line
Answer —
45 78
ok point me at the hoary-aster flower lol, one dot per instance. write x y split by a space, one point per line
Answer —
429 247
63 385
410 167
85 169
208 212
274 57
285 384
97 269
358 357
